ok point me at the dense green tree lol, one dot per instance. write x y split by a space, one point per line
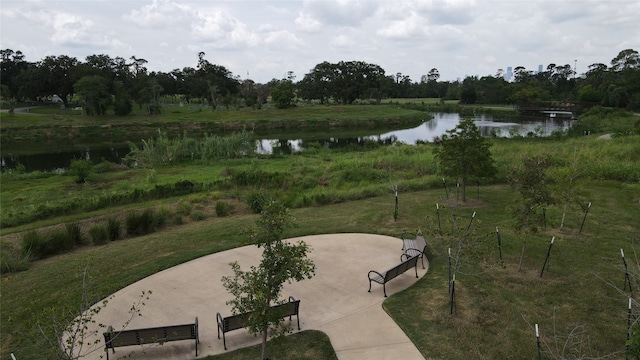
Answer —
344 82
59 74
256 290
464 154
94 94
468 93
318 83
283 94
12 63
628 59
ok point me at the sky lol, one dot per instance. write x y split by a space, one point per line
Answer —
263 40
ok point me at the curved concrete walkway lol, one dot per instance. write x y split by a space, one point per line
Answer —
335 301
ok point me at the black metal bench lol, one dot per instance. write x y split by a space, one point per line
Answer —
413 245
160 335
239 321
383 278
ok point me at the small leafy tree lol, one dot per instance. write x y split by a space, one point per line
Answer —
530 181
569 191
256 290
464 154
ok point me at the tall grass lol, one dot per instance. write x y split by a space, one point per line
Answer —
162 150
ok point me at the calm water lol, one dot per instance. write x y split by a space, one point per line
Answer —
488 126
427 131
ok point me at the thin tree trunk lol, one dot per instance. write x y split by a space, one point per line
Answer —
264 344
524 244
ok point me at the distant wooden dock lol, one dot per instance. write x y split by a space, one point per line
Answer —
551 109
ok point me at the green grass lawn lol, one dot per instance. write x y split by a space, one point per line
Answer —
494 304
56 117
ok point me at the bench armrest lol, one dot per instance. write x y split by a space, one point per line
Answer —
375 272
414 249
219 321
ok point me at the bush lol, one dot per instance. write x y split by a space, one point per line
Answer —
12 260
140 223
114 229
75 234
34 244
177 219
196 215
161 217
184 207
99 234
81 169
256 200
59 242
223 208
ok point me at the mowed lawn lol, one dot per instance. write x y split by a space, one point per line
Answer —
578 302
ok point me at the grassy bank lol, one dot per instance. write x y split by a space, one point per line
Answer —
43 125
312 177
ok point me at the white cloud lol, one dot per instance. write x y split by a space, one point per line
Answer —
341 41
458 37
161 14
222 30
411 27
341 12
306 22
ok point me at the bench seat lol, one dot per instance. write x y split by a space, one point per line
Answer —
384 277
159 335
234 322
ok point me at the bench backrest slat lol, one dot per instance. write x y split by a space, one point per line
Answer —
287 309
239 321
400 268
150 335
234 322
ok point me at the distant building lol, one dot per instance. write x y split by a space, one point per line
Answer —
539 68
508 76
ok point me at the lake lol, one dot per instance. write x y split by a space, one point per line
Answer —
488 125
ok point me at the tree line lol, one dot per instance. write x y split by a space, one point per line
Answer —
101 82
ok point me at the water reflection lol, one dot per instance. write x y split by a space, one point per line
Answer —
426 132
488 126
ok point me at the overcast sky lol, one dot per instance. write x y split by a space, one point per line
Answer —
262 40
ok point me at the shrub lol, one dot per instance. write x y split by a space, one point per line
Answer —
81 169
12 260
114 229
256 200
75 234
223 208
184 207
99 234
161 216
140 223
59 241
33 243
196 215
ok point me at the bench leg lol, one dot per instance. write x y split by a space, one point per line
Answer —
369 285
224 341
384 287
